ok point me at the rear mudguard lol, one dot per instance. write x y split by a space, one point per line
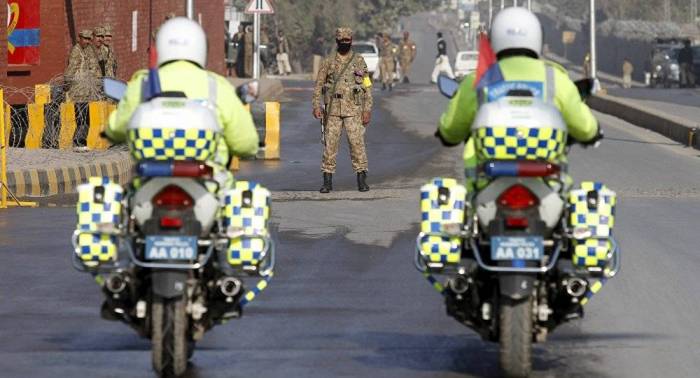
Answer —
169 283
516 286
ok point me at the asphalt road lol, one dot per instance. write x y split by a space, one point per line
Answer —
346 300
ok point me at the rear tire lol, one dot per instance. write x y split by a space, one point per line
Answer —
515 337
169 337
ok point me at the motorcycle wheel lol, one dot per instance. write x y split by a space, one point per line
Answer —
169 337
515 337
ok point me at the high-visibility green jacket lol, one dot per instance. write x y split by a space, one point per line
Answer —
455 123
239 134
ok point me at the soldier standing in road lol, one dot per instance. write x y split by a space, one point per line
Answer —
108 52
82 82
407 54
386 67
344 82
248 52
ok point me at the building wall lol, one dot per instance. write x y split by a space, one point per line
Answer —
58 31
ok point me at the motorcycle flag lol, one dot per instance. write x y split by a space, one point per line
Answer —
152 87
487 70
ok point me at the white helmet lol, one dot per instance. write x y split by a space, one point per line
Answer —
516 28
181 39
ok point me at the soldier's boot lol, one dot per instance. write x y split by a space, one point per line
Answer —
362 181
383 86
327 183
405 80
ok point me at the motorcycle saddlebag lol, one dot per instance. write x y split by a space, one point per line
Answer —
442 202
99 208
592 207
246 208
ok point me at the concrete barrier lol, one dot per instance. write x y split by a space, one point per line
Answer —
678 129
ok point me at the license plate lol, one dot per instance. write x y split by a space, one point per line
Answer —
171 247
517 248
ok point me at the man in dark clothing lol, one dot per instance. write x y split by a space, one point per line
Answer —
685 61
319 53
442 63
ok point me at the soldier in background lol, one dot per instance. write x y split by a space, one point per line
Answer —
82 82
318 53
344 83
387 66
627 70
283 55
110 58
98 36
248 52
407 54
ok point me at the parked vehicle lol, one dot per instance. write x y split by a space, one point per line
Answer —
465 63
370 53
524 253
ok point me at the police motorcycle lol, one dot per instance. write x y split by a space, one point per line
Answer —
174 252
526 252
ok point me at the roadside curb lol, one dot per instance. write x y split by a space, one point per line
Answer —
676 128
32 183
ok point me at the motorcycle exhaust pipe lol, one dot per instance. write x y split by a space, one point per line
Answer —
458 284
576 287
115 283
230 286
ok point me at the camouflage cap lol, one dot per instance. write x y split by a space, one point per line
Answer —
343 33
99 32
108 30
86 33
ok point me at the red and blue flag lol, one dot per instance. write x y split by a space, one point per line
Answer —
23 32
152 87
487 70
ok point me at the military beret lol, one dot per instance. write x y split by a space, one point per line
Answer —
343 33
86 33
99 31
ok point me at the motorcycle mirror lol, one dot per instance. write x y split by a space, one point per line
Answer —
448 87
585 87
114 88
248 92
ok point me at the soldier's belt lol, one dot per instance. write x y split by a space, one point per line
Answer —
338 95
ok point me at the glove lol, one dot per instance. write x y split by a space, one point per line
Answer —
366 117
443 141
595 142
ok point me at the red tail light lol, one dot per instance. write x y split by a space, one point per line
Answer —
518 197
171 222
173 197
516 222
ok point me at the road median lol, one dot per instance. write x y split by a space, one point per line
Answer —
676 128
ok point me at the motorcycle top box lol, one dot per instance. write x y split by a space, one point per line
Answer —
155 131
519 129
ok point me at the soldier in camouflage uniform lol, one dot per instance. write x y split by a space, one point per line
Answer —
344 83
108 53
387 54
407 54
81 79
98 36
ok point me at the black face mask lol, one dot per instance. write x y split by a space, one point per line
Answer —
344 47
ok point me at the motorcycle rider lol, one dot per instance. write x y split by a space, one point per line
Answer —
182 52
516 38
